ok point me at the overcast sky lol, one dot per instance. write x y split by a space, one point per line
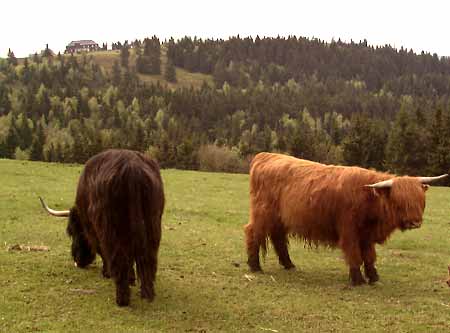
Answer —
27 25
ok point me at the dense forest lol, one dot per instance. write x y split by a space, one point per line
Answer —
336 102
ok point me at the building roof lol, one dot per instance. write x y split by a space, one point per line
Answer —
81 42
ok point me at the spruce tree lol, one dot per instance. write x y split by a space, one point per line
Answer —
25 134
12 60
12 140
439 148
406 150
116 74
170 73
365 142
124 56
37 144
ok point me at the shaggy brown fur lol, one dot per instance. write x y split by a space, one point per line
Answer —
326 204
117 214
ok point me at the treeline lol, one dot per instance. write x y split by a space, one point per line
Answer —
243 61
66 109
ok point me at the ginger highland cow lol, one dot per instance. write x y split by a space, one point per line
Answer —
347 207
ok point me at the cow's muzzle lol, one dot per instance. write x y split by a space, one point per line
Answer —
413 224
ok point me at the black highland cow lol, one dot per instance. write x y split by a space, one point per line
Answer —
117 214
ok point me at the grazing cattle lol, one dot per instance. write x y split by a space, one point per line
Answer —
117 214
347 207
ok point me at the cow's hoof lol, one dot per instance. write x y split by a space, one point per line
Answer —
289 266
358 283
123 302
356 277
371 274
148 295
123 299
254 265
105 273
255 269
374 279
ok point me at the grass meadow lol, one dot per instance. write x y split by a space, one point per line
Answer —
203 284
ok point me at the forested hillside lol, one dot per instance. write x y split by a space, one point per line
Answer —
346 103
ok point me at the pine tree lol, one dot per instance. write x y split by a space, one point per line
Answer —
364 143
124 56
220 74
12 139
25 134
3 150
116 74
12 60
47 52
37 144
170 73
439 148
406 150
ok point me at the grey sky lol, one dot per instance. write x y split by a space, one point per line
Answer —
26 26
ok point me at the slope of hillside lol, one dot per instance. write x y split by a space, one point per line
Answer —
184 78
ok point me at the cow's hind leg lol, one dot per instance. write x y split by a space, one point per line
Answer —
131 276
146 266
369 258
279 239
253 243
120 271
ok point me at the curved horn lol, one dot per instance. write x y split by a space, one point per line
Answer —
426 180
382 184
58 213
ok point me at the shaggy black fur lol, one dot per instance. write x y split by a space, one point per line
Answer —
117 214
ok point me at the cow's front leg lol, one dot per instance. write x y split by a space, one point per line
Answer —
369 257
253 244
105 269
352 252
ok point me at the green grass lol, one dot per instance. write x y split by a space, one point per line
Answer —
201 284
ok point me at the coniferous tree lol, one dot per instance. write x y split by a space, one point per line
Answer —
124 56
170 73
220 74
12 60
12 139
47 52
37 144
25 134
439 147
116 74
407 144
364 143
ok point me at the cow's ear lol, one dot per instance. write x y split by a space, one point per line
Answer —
425 187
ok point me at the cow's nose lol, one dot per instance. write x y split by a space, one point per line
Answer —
415 224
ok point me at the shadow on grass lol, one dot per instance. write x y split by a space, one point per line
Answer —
334 280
